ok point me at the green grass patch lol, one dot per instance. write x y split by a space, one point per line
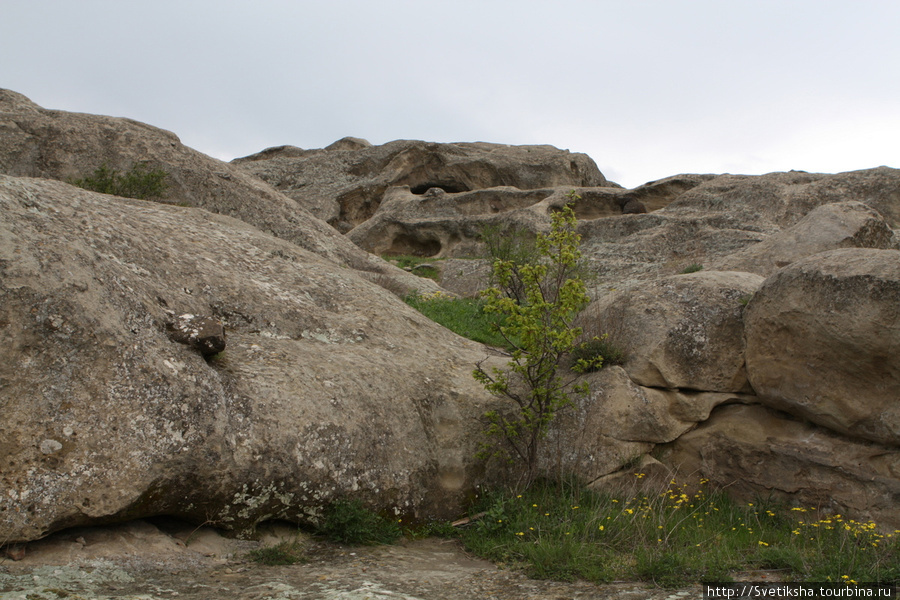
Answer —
417 265
673 538
464 316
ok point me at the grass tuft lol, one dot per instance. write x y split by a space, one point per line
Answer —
283 553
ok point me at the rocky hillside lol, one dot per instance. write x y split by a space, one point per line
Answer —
50 144
344 183
774 369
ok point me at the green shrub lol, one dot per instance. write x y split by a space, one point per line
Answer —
515 247
691 269
539 328
349 522
601 348
139 182
284 553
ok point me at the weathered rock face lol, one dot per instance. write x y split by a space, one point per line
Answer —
683 331
36 142
621 420
823 342
329 385
828 227
443 224
344 183
754 450
782 199
821 345
709 223
438 224
117 400
726 222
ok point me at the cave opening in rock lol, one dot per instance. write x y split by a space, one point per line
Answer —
408 245
450 188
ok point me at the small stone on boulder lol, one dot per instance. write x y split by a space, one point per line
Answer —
202 333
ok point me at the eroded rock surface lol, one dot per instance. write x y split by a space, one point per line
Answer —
754 450
823 342
683 331
330 386
38 142
828 227
344 183
719 222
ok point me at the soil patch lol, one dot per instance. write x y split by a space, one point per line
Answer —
143 560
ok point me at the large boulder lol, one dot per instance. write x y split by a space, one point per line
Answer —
683 331
753 451
344 183
329 386
37 142
823 342
619 421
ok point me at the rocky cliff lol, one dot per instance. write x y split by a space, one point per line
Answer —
774 369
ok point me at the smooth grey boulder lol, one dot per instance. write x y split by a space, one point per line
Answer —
330 387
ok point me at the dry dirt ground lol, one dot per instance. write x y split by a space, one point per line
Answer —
141 560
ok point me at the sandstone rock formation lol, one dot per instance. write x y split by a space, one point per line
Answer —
691 219
443 224
754 451
344 183
37 142
330 386
772 370
709 223
828 227
821 347
823 342
682 331
621 421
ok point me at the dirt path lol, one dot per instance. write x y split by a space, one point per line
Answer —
141 561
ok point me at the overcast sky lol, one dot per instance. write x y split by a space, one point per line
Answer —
647 88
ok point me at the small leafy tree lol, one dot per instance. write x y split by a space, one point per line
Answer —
540 330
